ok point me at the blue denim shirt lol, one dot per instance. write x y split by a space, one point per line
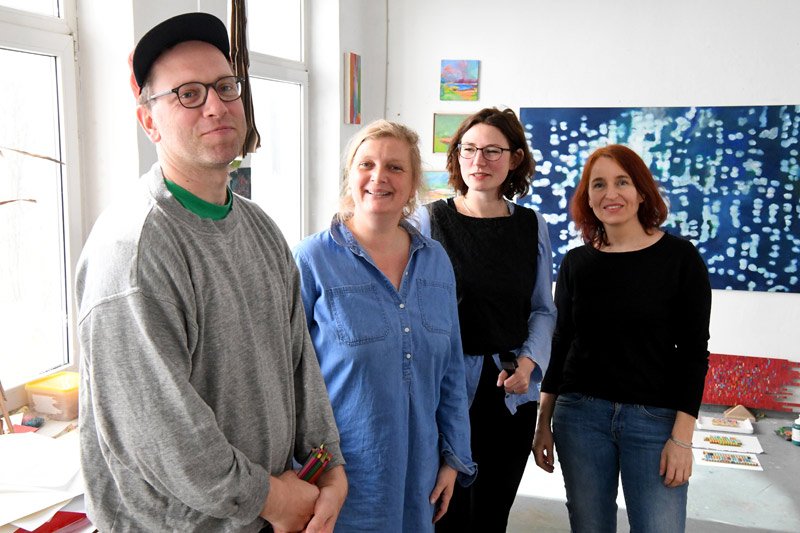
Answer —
541 323
394 367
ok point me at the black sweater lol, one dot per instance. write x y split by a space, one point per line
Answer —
494 260
633 327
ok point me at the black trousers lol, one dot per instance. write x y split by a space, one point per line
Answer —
501 443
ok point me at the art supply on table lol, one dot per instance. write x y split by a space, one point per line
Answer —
55 396
67 429
784 432
796 432
32 420
315 464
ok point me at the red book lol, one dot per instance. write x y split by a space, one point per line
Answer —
62 522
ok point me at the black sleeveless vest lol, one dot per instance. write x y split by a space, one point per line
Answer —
495 265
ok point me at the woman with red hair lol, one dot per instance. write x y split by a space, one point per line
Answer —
629 356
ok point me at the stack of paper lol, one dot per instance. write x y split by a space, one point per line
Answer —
40 475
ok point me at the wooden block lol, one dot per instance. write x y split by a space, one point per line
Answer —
740 412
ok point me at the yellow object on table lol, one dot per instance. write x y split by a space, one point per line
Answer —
55 396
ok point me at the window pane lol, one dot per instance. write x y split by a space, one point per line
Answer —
277 166
33 307
274 28
43 7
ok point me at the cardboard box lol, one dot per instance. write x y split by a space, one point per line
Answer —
55 396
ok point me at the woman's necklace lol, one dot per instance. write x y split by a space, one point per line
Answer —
504 209
466 205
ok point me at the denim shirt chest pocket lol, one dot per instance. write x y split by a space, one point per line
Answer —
434 299
360 318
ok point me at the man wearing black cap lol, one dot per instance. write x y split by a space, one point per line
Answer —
199 382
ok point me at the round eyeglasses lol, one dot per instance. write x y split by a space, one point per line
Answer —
194 94
490 153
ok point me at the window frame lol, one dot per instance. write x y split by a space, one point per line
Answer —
265 66
54 36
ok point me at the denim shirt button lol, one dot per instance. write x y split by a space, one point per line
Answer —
402 306
406 329
408 356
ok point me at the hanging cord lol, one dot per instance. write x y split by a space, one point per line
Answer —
241 67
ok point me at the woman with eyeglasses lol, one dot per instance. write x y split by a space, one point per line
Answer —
503 263
380 303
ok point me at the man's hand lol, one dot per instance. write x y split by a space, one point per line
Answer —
332 493
443 491
290 502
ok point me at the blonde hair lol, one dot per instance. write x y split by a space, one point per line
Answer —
380 129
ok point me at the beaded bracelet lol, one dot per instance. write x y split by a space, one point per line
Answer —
680 443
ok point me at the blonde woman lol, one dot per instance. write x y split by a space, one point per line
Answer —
380 301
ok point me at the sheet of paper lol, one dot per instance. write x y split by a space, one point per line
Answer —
38 462
726 442
39 518
20 504
44 472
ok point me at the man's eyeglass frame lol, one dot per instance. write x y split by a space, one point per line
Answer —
207 87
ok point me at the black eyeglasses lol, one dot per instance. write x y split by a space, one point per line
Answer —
194 94
490 153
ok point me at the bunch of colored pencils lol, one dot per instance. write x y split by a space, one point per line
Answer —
317 460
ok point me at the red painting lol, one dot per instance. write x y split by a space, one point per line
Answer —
755 382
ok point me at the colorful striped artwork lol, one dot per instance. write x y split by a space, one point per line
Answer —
352 88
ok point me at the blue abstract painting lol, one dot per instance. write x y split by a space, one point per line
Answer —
730 176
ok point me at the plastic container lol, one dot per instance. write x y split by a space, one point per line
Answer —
796 432
55 396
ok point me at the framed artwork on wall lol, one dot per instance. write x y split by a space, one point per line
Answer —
435 186
459 79
444 126
352 88
730 176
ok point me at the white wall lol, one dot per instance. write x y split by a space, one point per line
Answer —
584 53
337 27
107 119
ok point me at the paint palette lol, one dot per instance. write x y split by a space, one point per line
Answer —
730 425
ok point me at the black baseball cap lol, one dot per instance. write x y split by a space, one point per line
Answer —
186 27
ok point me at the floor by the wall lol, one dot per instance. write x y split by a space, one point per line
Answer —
720 499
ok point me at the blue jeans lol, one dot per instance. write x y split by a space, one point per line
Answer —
598 442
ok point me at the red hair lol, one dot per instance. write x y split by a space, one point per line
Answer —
652 211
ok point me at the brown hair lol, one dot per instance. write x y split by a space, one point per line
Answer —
652 211
518 180
380 129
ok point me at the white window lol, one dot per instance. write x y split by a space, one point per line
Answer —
279 83
39 191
